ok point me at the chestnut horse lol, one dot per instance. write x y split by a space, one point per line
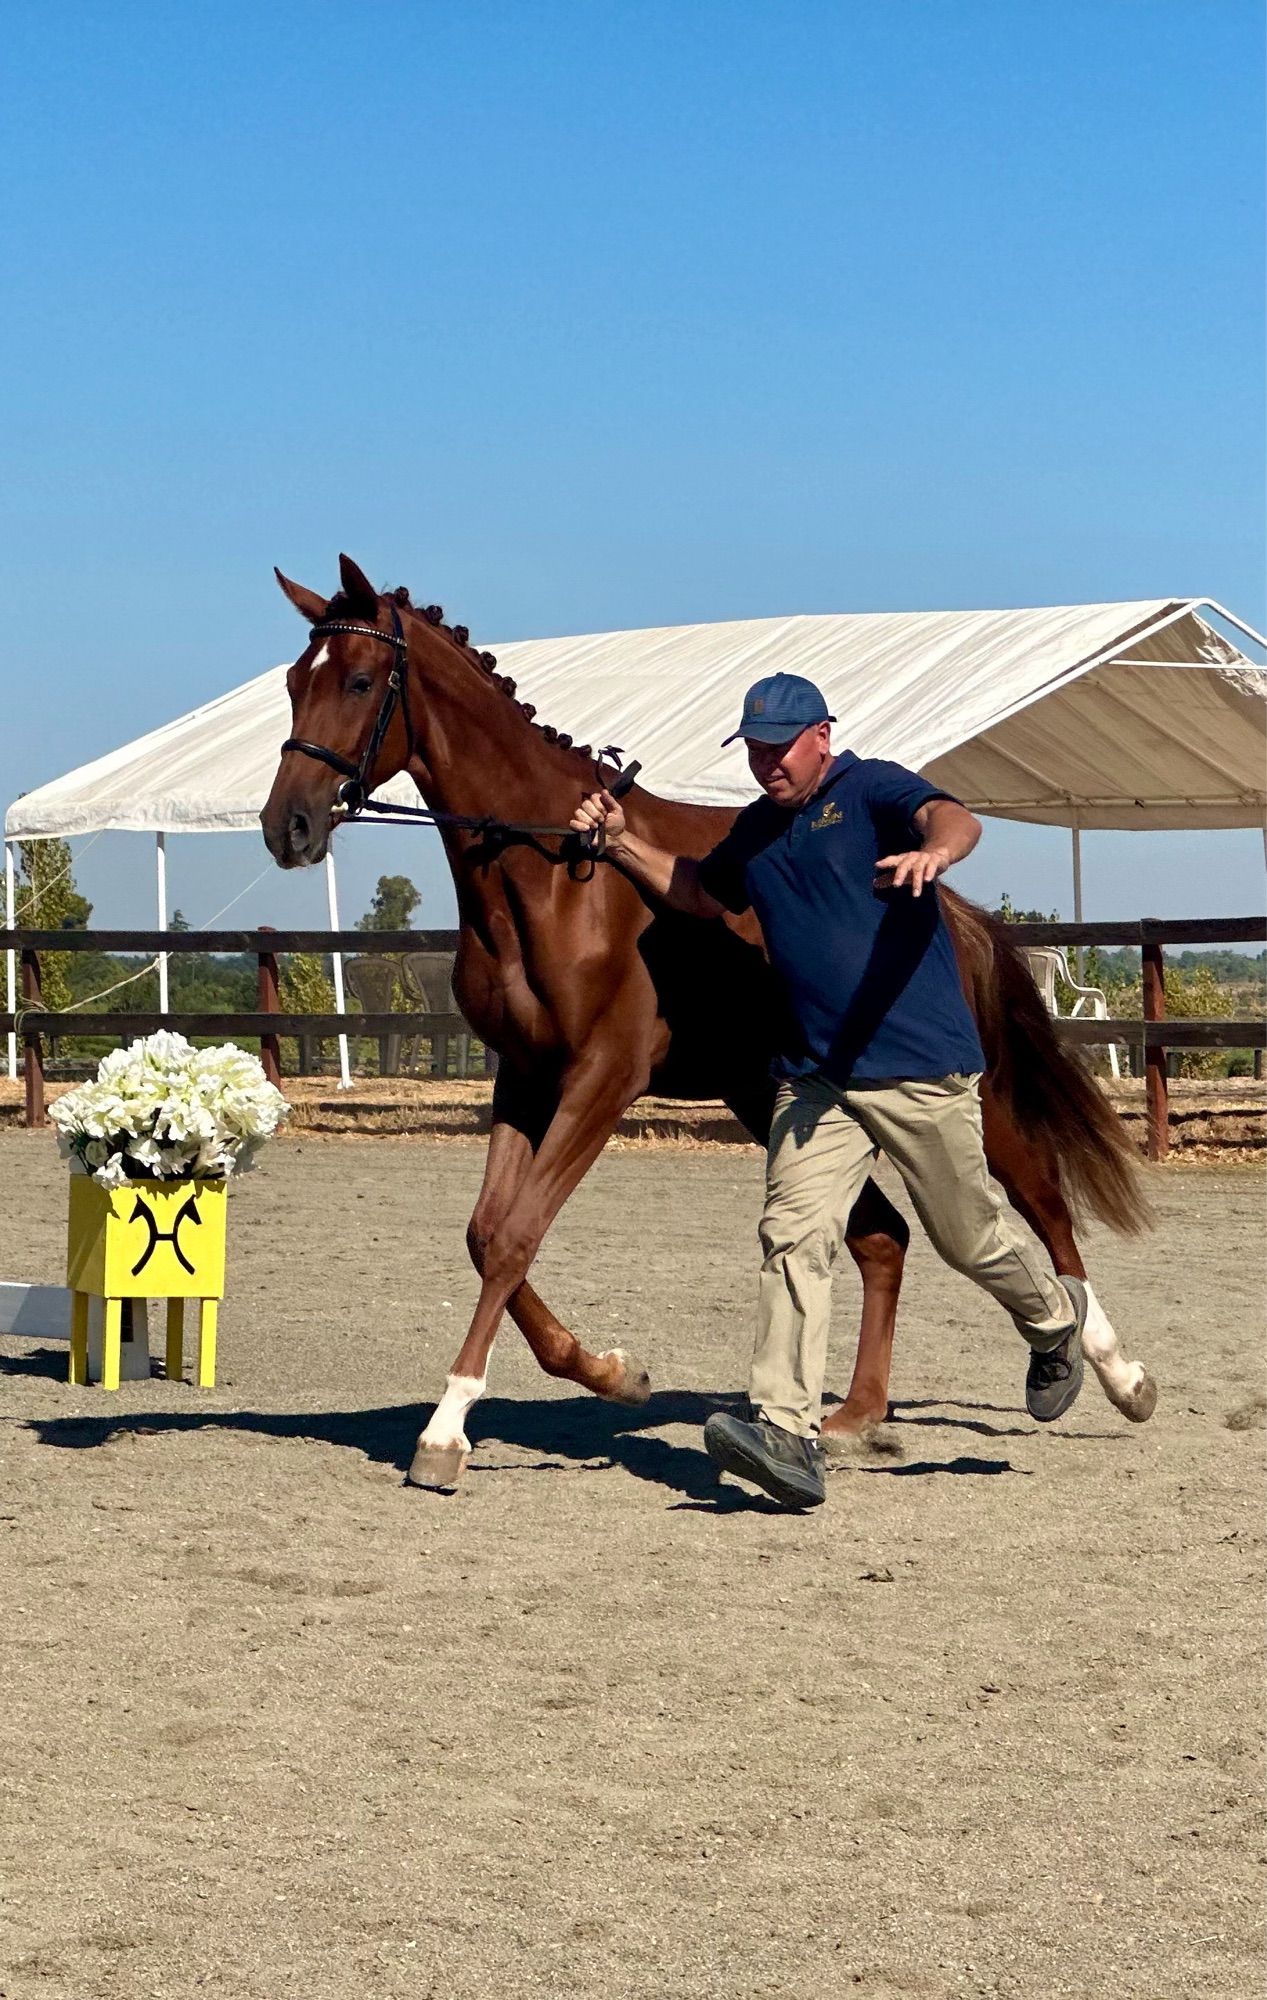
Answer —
592 993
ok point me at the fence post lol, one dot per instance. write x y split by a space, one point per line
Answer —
269 1003
32 1047
1156 1083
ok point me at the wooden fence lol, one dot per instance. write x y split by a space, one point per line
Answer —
1154 1033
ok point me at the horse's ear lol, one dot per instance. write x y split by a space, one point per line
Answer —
356 585
310 607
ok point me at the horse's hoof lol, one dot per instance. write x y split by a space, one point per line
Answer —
438 1466
850 1420
634 1386
1138 1407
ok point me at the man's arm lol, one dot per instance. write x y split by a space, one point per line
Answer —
675 877
947 832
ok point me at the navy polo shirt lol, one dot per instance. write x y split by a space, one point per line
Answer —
870 974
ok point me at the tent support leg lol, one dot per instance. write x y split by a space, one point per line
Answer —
1077 891
160 869
11 957
332 904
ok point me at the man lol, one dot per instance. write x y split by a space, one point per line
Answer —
840 860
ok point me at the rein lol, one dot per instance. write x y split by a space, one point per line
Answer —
354 794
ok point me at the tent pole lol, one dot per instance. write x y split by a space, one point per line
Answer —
1077 888
1212 604
332 904
11 964
160 866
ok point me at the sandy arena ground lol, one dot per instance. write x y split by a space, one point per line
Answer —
272 1723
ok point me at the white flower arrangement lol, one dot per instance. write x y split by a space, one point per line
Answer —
165 1111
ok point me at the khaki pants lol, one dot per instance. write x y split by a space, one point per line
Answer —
823 1142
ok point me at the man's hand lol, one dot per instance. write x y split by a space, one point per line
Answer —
949 830
913 870
602 814
675 877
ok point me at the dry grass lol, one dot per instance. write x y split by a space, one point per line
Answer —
1211 1121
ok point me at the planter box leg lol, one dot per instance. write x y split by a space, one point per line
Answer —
110 1356
78 1337
175 1339
207 1343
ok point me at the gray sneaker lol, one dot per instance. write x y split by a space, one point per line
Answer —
1055 1376
787 1467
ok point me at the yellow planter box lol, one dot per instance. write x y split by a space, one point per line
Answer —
147 1239
144 1240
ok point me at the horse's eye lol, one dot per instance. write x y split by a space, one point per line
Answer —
360 684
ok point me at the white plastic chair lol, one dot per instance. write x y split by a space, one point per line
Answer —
1046 963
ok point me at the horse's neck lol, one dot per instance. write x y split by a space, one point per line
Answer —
480 755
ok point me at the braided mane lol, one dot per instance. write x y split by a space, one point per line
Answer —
340 606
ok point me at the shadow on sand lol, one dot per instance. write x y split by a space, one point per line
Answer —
566 1433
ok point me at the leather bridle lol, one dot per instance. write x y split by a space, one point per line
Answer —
354 793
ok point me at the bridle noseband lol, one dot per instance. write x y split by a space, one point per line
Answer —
354 794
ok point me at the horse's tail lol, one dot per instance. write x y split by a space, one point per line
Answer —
1041 1079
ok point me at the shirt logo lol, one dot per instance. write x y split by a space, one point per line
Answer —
831 815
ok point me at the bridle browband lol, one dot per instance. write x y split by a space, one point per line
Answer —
354 793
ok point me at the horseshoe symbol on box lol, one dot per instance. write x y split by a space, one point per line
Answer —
188 1212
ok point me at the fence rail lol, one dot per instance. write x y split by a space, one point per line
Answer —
206 943
1136 931
1153 1033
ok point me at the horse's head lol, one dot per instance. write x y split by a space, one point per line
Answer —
341 695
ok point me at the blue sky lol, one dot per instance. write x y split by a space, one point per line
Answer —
577 317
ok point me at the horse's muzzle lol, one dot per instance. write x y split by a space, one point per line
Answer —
294 836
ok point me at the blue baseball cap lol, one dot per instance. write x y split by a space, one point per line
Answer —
778 708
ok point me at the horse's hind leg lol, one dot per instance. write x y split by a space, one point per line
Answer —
876 1236
1030 1176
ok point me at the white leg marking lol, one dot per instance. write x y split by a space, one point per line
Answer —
1127 1384
448 1420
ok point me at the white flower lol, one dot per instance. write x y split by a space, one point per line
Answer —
170 1110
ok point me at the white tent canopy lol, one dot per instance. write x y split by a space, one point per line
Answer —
1136 715
1093 715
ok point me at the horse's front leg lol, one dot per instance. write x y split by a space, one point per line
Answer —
509 1156
876 1236
593 1096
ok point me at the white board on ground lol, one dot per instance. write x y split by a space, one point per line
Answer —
42 1312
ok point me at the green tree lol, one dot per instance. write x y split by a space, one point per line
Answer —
304 988
395 901
1192 994
47 900
1011 915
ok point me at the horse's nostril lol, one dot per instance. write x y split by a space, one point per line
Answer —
299 830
